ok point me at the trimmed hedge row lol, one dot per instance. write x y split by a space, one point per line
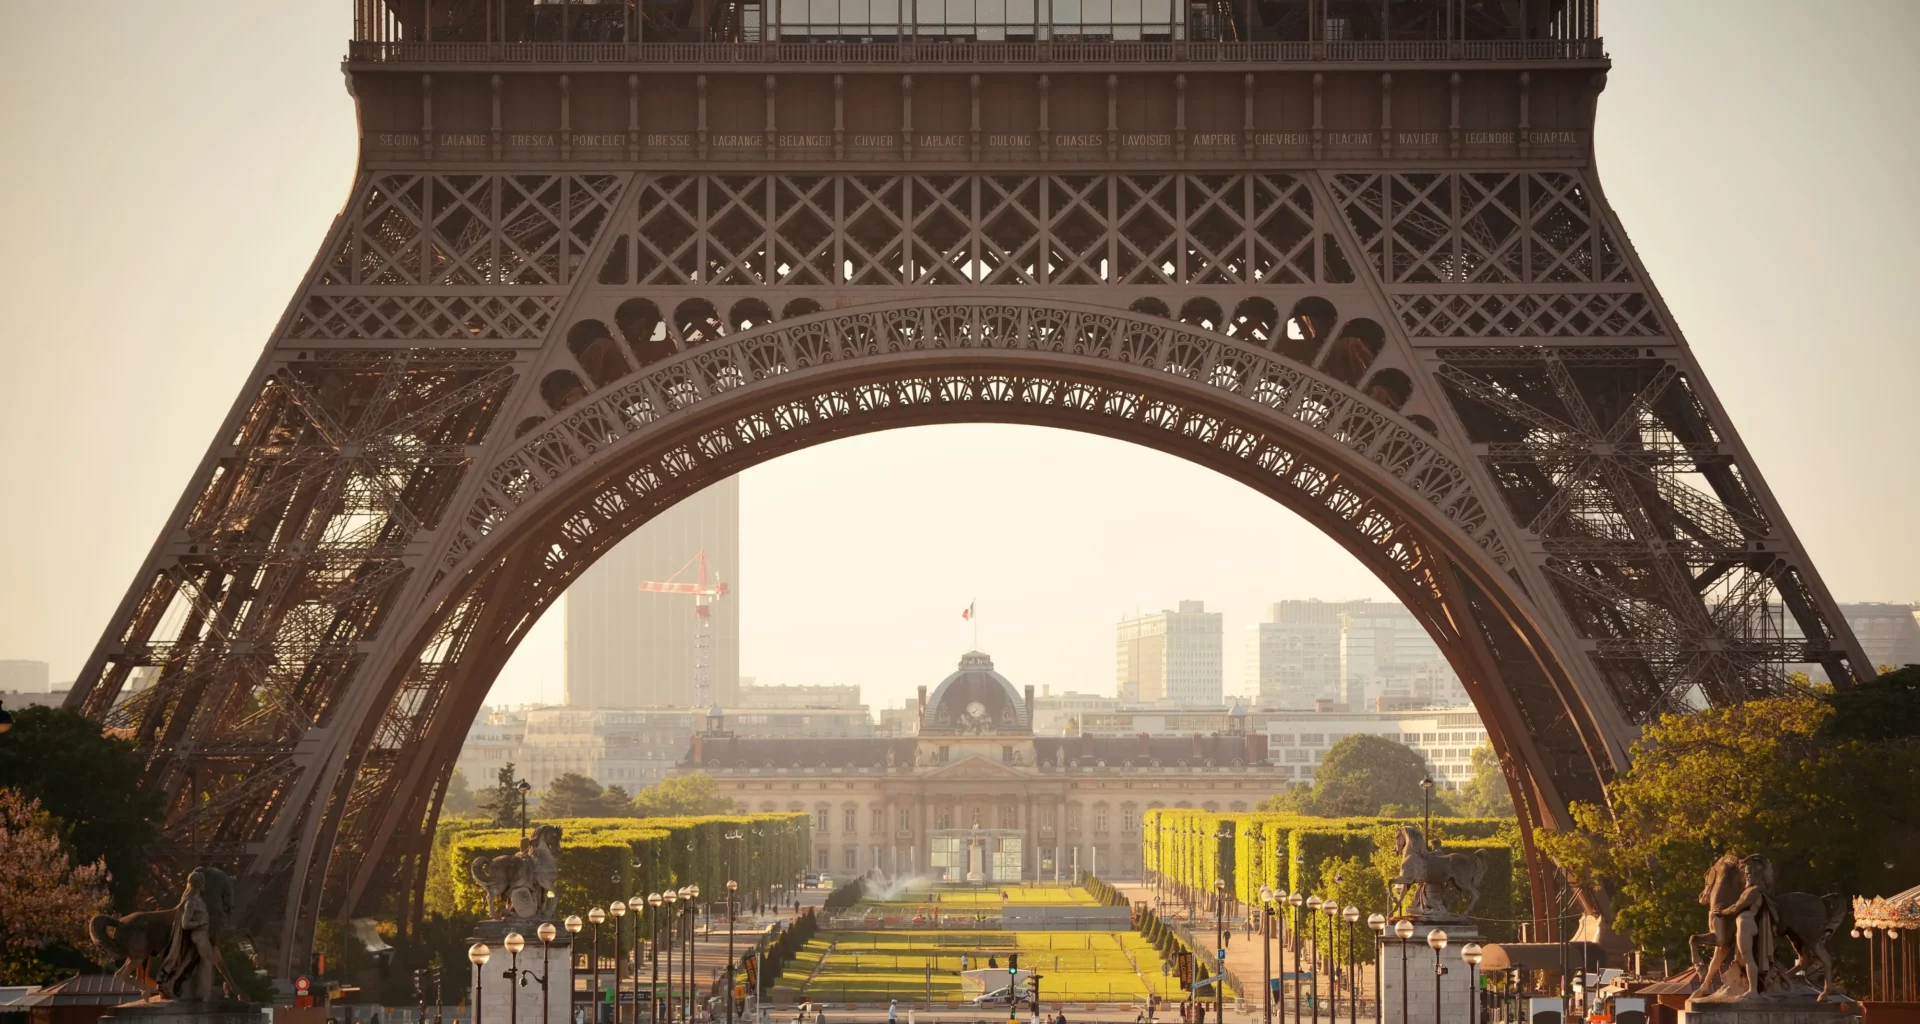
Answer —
1183 845
605 859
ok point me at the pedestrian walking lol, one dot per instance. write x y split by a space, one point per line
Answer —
893 1011
820 1014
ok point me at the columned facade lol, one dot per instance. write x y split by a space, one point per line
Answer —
977 787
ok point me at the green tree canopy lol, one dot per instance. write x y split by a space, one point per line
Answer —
459 796
502 802
1485 795
48 900
1361 773
1822 783
682 795
91 784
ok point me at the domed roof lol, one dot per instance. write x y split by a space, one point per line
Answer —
975 699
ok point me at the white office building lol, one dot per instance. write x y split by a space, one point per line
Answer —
1170 655
1351 652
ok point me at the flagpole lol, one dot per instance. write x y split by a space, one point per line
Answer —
974 607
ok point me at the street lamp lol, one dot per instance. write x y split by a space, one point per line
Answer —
1332 910
574 923
619 910
1266 953
654 900
1296 900
1313 955
638 905
1351 914
690 896
1472 953
515 942
1437 939
732 886
546 931
1403 930
670 898
1426 802
596 915
524 787
1378 922
478 954
1219 943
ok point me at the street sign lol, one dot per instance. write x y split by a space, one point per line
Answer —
302 985
1223 954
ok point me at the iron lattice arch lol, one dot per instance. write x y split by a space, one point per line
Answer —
490 377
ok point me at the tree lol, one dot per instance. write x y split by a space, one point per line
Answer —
459 797
1354 882
49 901
1361 773
503 800
91 784
573 795
681 795
1822 783
1485 795
1290 799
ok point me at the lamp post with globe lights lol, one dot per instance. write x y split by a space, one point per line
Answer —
573 925
547 933
515 942
1471 953
1313 955
596 915
1378 922
1403 930
691 897
1437 939
732 887
1351 914
1219 943
478 954
671 921
618 910
1266 953
638 905
654 902
1296 901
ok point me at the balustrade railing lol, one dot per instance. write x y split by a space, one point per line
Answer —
976 53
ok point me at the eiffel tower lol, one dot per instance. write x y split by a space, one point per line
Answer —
1352 253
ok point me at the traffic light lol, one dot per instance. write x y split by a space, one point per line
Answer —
1013 963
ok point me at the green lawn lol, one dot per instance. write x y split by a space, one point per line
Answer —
869 967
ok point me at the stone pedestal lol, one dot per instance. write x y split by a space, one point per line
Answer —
504 1001
184 1011
1765 1011
1412 1001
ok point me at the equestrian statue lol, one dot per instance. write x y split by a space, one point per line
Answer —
1427 871
1743 918
521 884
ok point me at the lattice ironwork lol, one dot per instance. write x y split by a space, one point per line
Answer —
380 522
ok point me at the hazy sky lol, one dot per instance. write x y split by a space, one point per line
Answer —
167 172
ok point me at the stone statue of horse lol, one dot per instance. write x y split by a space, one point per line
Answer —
521 882
1433 870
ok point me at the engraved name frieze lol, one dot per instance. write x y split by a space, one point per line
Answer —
1417 138
736 140
1539 138
463 138
530 139
1349 138
397 139
1218 139
1071 140
941 140
670 141
886 141
603 140
1146 139
1281 138
805 141
1016 139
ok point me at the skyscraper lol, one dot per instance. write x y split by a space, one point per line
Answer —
1347 651
628 649
1170 655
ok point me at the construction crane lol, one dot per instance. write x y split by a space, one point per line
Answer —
705 591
